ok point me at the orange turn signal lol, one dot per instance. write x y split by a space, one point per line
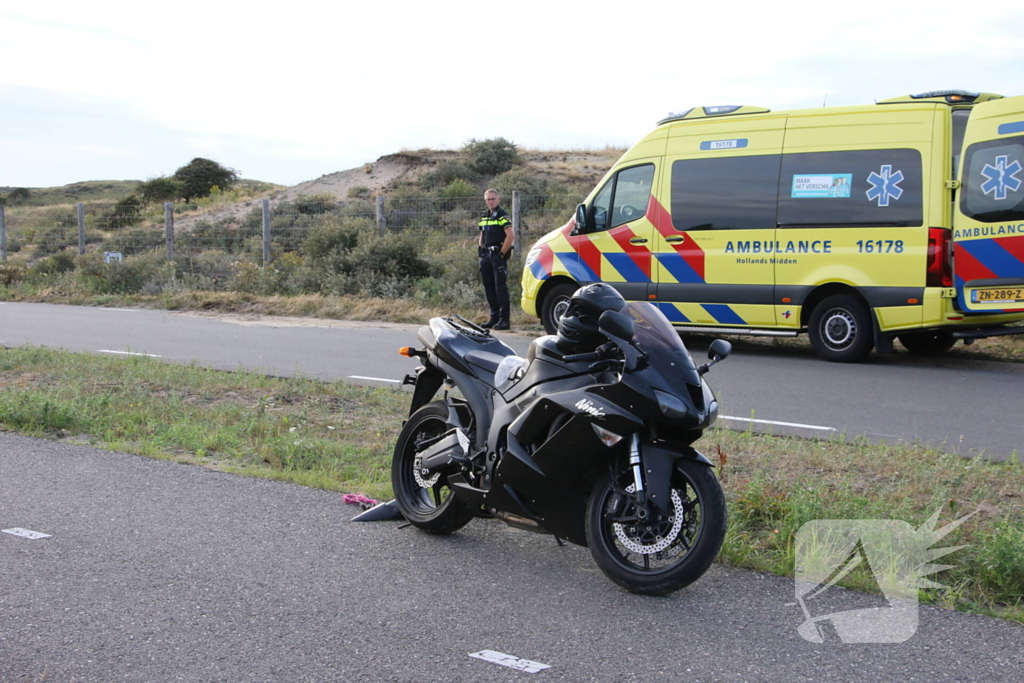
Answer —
913 301
786 300
405 351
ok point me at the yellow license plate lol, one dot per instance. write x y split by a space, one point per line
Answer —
1008 295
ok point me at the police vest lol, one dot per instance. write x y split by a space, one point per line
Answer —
493 226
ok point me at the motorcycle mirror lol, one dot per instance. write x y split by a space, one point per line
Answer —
617 324
719 350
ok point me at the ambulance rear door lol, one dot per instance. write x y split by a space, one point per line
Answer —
988 220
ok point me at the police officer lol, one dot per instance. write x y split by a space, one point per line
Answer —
495 248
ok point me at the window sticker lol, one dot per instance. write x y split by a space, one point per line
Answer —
885 185
708 145
822 185
1001 177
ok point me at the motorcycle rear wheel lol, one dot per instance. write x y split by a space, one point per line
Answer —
428 505
664 554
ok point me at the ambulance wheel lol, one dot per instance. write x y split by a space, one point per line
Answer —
841 329
556 303
927 343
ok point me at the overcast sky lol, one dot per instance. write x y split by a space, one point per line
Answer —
289 91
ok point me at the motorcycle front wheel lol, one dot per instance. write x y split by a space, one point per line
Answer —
663 553
428 504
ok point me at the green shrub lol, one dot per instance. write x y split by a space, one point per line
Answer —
11 274
447 171
251 278
125 214
459 188
136 241
61 262
160 189
326 243
134 275
393 255
532 188
492 156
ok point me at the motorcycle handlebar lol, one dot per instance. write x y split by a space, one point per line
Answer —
575 358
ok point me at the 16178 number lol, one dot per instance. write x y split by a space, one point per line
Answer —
879 246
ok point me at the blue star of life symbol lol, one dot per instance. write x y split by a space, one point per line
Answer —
885 185
1000 177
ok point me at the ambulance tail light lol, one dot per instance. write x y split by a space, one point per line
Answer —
940 263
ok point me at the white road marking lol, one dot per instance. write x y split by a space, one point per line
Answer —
25 533
781 424
127 353
509 661
376 379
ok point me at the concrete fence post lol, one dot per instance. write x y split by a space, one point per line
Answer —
516 217
3 234
266 232
80 210
382 224
169 229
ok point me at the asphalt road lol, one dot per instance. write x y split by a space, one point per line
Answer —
961 406
156 571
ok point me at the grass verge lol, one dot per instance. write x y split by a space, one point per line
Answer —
339 437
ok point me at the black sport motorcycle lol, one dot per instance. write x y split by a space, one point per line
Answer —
591 447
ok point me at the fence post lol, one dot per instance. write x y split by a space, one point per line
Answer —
3 234
169 228
382 225
80 210
516 215
266 232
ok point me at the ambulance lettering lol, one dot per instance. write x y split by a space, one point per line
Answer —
989 231
769 247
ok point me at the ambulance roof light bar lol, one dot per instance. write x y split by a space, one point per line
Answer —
719 110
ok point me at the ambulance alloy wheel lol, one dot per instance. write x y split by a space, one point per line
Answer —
556 303
841 329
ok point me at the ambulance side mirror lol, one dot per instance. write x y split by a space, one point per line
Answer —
581 220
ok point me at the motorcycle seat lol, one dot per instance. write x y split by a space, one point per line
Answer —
485 360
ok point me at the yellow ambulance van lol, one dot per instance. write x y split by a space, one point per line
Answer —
857 225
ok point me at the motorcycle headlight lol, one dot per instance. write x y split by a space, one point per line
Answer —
532 256
671 407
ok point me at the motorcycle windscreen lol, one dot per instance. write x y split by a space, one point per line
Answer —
667 354
988 222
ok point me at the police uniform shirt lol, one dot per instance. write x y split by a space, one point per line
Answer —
493 225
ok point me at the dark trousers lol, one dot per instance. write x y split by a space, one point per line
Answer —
494 273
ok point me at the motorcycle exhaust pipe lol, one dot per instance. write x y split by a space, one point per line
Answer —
518 522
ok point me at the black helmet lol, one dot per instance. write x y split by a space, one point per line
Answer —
577 330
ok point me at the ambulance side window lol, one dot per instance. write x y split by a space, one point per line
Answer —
853 188
623 199
960 117
730 193
993 182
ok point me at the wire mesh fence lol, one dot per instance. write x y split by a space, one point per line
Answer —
209 242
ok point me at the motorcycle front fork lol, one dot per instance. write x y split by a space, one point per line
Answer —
638 475
639 493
